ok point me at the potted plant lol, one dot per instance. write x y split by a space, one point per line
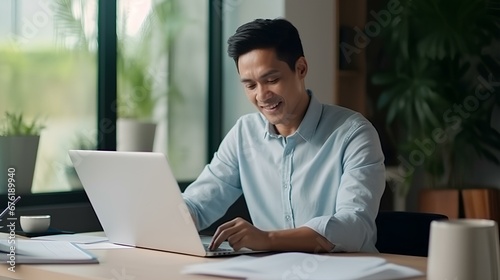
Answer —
144 64
437 93
19 140
136 102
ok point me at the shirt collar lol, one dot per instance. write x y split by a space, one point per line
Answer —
308 124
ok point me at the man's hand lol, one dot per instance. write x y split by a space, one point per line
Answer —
240 233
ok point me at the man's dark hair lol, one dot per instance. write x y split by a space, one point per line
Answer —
278 34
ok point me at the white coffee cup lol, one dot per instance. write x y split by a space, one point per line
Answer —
464 249
35 224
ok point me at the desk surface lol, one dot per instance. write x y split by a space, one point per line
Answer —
142 264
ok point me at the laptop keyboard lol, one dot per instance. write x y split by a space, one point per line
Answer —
220 249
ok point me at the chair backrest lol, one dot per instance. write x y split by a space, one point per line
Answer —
404 233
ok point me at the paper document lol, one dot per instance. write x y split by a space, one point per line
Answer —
74 238
304 266
41 251
103 246
84 241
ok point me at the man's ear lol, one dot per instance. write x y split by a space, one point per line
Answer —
301 67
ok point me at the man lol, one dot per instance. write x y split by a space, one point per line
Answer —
312 174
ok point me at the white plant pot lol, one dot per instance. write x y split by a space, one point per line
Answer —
18 152
134 135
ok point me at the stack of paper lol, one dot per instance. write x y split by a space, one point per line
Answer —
73 238
304 266
41 251
89 242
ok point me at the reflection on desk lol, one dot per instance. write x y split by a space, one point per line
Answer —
142 264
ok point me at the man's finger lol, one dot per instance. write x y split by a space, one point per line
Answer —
221 237
235 238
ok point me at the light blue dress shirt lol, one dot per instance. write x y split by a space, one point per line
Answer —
329 175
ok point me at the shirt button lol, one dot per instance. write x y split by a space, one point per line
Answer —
287 217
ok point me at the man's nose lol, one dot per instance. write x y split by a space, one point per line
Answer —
263 92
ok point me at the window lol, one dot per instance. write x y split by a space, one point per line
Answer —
49 69
162 57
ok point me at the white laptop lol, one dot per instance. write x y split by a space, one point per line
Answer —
138 202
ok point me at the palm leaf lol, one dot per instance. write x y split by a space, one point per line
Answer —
68 26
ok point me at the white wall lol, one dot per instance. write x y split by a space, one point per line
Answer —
235 101
315 21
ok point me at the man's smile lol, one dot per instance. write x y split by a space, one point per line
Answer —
271 107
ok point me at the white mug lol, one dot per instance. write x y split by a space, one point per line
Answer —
464 249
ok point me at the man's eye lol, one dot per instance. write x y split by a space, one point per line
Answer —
250 86
273 81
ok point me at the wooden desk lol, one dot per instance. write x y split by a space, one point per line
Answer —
142 264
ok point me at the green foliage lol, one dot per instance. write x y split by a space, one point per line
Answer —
69 22
15 125
440 51
83 142
142 82
135 96
140 77
66 79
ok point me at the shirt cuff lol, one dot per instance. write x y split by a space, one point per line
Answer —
319 225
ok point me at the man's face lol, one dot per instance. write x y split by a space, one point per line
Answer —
276 90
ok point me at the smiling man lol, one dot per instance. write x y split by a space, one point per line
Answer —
312 174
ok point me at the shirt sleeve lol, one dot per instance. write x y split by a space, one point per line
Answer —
352 227
218 185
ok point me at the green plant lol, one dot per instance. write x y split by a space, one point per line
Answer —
83 142
136 98
437 93
144 60
15 125
143 57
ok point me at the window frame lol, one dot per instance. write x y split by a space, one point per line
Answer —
106 106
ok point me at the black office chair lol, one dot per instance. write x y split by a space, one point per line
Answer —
404 233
